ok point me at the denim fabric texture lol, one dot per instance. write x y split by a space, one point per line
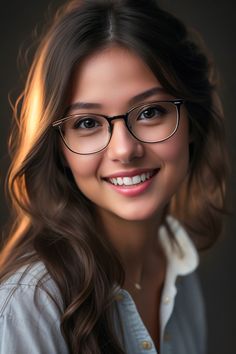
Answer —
30 320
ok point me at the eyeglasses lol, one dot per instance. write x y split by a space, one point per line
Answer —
89 133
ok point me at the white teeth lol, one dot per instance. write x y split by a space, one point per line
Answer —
114 181
136 179
129 181
143 177
120 181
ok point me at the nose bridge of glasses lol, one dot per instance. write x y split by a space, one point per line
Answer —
123 117
120 116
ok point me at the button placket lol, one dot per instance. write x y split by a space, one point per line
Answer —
145 344
167 300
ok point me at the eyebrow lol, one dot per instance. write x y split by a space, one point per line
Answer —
146 94
137 98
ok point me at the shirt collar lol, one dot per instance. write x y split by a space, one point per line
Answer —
182 259
182 256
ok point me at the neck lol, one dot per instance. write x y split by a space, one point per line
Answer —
136 242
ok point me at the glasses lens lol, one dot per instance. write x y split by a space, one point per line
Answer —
85 134
154 122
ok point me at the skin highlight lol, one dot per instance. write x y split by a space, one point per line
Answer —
103 81
63 203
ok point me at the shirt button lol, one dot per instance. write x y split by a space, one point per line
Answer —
146 344
119 297
166 300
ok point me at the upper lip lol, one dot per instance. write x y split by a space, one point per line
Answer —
130 173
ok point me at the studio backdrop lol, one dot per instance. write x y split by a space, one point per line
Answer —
215 20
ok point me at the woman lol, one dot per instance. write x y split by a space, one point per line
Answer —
117 176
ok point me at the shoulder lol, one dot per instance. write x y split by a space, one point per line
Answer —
30 287
30 312
190 292
26 275
187 323
186 330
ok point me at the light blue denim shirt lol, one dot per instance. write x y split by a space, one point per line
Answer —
30 321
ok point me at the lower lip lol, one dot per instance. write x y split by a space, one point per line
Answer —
135 190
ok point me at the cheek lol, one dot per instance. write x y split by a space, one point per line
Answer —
178 148
175 151
82 167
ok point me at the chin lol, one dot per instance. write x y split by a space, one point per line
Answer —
139 214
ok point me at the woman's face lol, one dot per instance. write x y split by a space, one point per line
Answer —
113 81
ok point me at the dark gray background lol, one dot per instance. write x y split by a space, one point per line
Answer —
215 20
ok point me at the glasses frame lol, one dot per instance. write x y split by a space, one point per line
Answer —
177 102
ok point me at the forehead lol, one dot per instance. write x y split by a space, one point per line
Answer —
112 75
111 57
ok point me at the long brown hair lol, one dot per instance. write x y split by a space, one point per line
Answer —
53 221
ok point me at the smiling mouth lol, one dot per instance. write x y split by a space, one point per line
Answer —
134 180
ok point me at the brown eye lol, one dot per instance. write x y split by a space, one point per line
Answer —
86 123
152 112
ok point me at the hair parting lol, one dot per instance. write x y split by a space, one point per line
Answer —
53 221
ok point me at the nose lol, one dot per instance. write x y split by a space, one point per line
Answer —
123 146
